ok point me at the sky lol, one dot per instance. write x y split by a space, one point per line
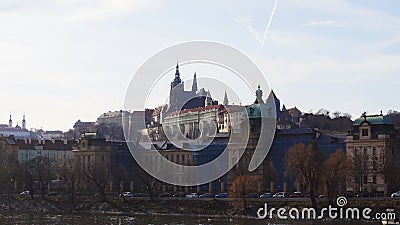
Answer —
64 60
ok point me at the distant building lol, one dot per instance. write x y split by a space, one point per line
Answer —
188 121
94 156
56 150
179 99
53 135
115 118
233 118
255 113
289 118
8 144
17 131
373 145
81 127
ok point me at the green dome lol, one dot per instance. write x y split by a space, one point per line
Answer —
373 120
254 110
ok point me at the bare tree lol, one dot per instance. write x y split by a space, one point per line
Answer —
148 182
334 173
303 163
359 168
241 186
9 169
100 176
42 170
70 172
120 177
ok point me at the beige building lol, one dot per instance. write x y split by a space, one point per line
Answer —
373 146
95 157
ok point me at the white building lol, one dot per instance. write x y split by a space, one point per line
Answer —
113 118
17 131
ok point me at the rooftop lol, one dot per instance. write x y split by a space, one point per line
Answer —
373 119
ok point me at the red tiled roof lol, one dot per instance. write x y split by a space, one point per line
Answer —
48 144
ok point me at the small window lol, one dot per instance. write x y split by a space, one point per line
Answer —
364 132
374 151
365 151
374 179
365 179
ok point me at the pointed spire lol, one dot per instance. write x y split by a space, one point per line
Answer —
23 122
194 85
177 74
177 79
226 102
10 122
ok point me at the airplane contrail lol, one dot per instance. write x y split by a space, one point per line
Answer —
269 22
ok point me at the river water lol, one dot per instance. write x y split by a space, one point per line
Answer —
92 219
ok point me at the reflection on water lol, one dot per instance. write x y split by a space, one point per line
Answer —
90 219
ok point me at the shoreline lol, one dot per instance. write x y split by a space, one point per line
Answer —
212 209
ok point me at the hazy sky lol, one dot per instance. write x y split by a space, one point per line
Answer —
64 60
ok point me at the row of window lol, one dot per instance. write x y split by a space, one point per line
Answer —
365 151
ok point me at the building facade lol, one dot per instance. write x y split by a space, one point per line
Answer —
373 146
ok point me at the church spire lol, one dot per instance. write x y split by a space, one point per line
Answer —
10 122
194 85
23 122
177 79
226 102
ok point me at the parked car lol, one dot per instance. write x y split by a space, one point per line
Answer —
25 193
349 195
192 195
138 195
221 195
396 194
52 193
252 195
206 195
364 194
179 195
126 194
165 195
280 195
266 195
297 194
